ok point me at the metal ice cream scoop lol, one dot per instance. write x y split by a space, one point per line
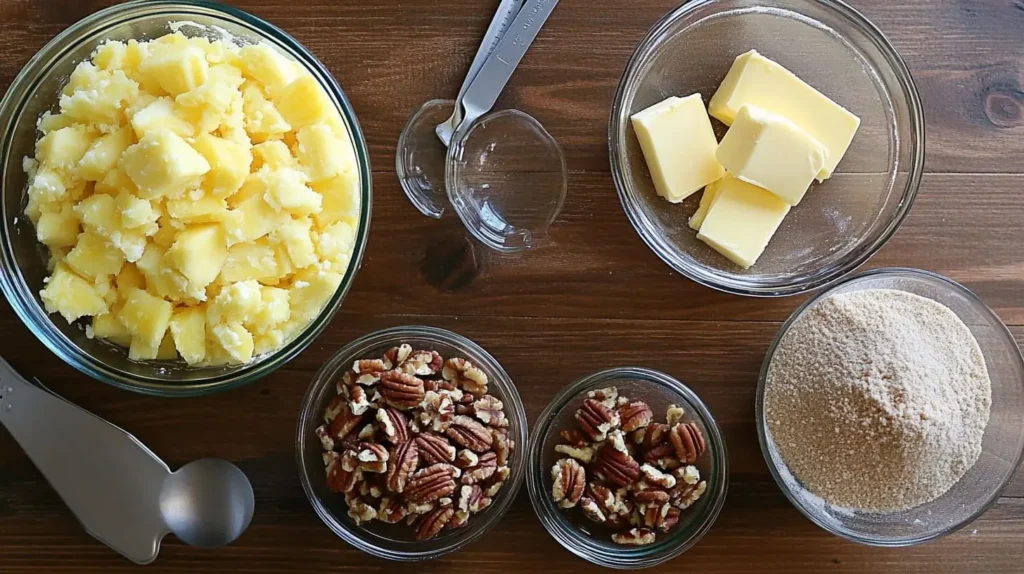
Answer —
121 492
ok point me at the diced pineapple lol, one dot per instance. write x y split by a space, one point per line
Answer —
303 102
161 280
110 55
252 219
177 68
129 278
62 149
188 327
311 292
163 164
336 243
136 213
236 303
58 229
287 191
261 119
199 253
267 66
102 155
323 154
229 164
85 74
294 234
99 104
253 187
49 122
71 296
47 186
236 340
273 311
207 105
273 154
146 317
204 210
161 114
98 214
340 200
141 350
116 181
92 257
251 260
269 341
107 327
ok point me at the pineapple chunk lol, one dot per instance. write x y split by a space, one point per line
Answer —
322 153
93 257
71 296
235 340
116 181
336 243
229 164
107 327
273 311
267 66
136 213
340 200
99 215
49 122
140 350
129 278
188 328
251 260
269 341
294 234
311 292
205 210
163 164
274 154
261 119
287 191
110 56
62 149
146 317
199 253
100 104
303 102
58 228
161 279
236 303
176 68
102 155
161 114
84 75
252 219
47 186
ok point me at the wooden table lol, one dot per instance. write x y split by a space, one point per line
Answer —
599 299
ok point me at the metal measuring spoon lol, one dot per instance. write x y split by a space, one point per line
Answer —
507 11
122 493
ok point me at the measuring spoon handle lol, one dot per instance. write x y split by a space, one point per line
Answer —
484 90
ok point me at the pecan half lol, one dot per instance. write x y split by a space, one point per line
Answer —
616 466
433 522
634 537
473 499
431 483
373 457
655 477
651 496
464 374
490 411
466 459
469 433
654 514
401 390
367 371
493 484
396 356
606 396
357 400
459 519
503 446
670 519
592 510
334 408
367 433
325 438
688 494
574 437
655 435
344 423
393 425
391 511
402 463
485 466
359 510
422 363
688 442
434 449
438 411
340 478
596 420
635 415
569 479
657 455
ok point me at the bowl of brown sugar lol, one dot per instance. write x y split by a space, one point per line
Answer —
890 408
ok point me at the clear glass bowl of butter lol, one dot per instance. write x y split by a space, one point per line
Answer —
24 258
841 222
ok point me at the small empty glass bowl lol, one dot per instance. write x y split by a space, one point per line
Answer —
841 222
1002 445
589 541
397 541
504 174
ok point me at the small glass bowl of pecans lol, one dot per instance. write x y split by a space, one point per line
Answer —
627 468
409 443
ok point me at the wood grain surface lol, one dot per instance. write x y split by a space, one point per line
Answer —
600 298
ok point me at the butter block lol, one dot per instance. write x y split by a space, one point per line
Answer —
742 221
707 199
771 152
679 146
758 81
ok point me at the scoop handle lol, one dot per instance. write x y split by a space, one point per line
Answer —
109 480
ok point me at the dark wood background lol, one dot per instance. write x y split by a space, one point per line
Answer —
599 299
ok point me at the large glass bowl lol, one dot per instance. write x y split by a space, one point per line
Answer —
841 222
35 90
1002 445
397 541
659 391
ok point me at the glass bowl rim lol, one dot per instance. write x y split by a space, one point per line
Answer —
762 435
326 374
697 272
12 282
581 545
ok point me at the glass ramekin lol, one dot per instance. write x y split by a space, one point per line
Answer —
658 390
35 90
840 223
1002 444
396 542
